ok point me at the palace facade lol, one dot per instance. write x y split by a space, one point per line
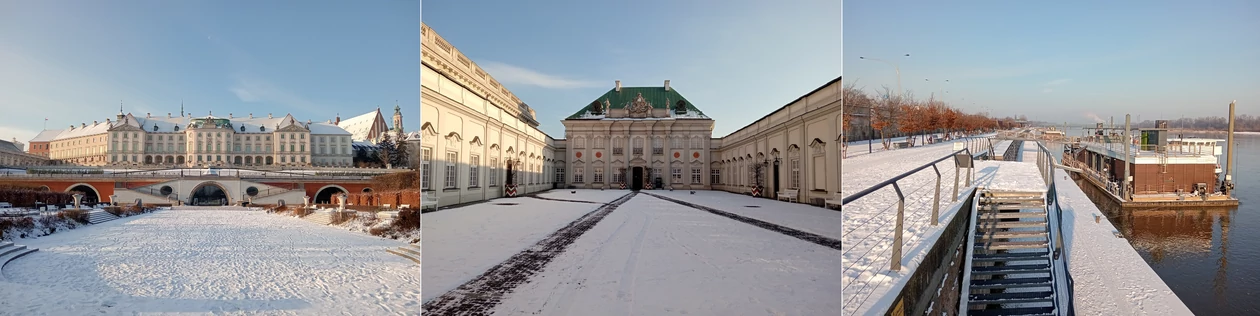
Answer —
475 134
188 141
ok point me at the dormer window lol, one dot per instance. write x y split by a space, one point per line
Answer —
155 127
176 128
242 128
262 128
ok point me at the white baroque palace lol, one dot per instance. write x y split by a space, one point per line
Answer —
474 130
187 141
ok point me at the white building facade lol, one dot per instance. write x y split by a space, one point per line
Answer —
476 136
474 130
187 141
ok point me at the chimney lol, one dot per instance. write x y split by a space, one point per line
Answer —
338 119
94 123
268 115
72 127
229 115
106 121
168 114
148 115
618 85
251 115
666 84
84 124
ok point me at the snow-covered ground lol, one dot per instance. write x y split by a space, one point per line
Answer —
870 222
648 257
210 261
1095 256
655 257
803 217
461 243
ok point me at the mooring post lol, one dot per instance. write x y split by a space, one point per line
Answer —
1128 143
901 213
1229 155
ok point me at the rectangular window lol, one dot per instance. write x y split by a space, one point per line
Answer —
494 171
560 174
676 175
618 151
599 175
620 176
695 175
697 143
658 146
676 143
637 149
715 176
599 142
577 175
473 173
452 178
795 181
579 143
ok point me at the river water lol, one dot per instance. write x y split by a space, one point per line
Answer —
1209 257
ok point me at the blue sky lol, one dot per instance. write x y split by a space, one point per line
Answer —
736 60
1063 61
73 61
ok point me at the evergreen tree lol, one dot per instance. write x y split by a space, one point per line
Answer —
401 154
387 149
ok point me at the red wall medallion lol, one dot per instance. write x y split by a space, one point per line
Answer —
598 154
696 155
676 154
579 154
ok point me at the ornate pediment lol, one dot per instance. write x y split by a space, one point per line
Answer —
639 107
476 141
293 128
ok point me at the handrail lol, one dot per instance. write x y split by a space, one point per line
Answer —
1046 163
895 261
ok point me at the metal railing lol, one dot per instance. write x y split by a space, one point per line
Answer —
1046 164
895 263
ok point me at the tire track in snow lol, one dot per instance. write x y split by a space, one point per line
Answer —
802 235
480 295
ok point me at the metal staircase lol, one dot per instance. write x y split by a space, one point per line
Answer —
1012 269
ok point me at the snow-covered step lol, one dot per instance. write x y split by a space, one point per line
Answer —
100 216
321 218
9 252
405 252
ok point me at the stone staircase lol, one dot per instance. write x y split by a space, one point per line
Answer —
411 252
319 217
10 251
100 216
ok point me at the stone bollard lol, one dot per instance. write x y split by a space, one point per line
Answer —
306 201
77 197
112 198
341 201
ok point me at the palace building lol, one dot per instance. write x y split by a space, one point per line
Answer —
188 141
478 139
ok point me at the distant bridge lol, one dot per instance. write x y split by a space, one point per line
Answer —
201 186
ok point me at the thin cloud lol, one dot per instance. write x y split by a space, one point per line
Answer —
1059 82
505 73
1047 90
252 89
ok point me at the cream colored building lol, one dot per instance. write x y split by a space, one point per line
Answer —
474 130
187 141
643 137
12 155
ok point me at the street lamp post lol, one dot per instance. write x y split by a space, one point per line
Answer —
900 92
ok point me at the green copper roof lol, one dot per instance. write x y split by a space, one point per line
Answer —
655 96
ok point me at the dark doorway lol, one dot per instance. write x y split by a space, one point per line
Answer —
327 195
90 196
511 174
209 195
636 179
776 178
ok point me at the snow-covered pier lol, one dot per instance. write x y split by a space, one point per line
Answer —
1087 251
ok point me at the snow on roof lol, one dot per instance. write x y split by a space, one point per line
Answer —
80 131
9 146
327 129
47 135
360 127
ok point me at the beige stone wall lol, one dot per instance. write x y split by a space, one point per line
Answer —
592 152
471 124
805 131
